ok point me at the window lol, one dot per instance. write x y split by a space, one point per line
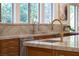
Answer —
27 13
73 23
34 12
24 13
73 17
6 13
47 12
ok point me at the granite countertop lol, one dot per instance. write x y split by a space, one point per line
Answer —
70 43
25 35
33 35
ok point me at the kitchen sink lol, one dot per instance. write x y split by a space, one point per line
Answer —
50 41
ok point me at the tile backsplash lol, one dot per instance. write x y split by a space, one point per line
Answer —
16 29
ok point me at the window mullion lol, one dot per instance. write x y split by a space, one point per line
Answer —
51 11
39 13
29 13
12 13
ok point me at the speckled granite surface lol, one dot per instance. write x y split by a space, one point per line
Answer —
70 43
32 35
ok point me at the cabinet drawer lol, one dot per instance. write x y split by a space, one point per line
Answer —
10 43
10 51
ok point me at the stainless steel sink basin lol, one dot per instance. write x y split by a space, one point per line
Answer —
50 41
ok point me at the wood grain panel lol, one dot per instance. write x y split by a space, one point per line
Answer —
10 51
9 43
10 47
34 51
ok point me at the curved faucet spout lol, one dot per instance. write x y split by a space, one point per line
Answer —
61 33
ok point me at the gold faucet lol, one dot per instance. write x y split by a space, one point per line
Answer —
62 32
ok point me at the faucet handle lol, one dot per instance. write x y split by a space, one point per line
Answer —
65 28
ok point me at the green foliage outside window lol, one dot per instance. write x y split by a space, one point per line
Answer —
6 13
34 12
24 12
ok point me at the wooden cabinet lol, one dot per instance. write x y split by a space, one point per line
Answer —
10 47
34 51
70 53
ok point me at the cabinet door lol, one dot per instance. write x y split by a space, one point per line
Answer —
10 47
57 53
11 51
9 43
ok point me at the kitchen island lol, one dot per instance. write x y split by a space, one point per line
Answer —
12 45
69 47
